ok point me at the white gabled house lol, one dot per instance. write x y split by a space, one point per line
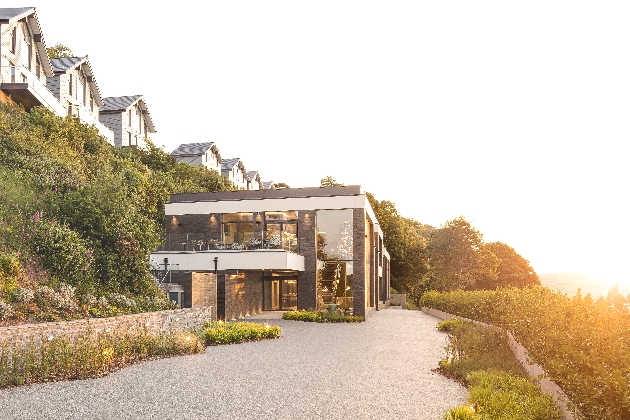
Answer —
24 62
234 170
74 86
268 185
254 182
128 117
200 154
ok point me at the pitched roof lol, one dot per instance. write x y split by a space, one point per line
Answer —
61 65
267 185
119 103
115 104
229 163
9 14
252 175
192 149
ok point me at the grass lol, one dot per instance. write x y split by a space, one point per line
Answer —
320 316
89 355
93 355
481 359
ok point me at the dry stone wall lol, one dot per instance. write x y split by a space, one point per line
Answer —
154 322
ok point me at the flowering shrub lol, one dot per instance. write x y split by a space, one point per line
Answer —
89 355
320 316
6 310
583 344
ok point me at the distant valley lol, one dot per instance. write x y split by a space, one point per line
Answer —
569 283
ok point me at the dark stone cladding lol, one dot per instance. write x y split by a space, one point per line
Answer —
263 194
307 279
358 288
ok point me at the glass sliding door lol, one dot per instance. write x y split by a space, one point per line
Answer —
280 294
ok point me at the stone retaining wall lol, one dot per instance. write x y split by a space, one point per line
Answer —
155 322
535 371
399 299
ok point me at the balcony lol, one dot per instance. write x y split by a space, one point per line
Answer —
29 91
88 119
231 242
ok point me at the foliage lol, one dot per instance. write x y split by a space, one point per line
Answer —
320 316
329 181
280 185
218 332
583 344
59 51
75 210
513 269
89 355
498 386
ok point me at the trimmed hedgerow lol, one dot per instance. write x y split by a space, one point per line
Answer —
218 332
582 344
320 316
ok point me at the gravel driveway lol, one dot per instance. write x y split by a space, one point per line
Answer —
373 370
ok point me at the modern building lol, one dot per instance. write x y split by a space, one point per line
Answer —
129 118
199 154
24 62
275 249
65 86
234 170
74 85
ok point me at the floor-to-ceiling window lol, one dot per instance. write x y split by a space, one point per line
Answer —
334 259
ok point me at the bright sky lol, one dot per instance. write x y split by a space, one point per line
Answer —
512 114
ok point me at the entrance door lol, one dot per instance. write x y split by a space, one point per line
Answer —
280 294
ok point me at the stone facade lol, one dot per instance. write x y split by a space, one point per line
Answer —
243 294
359 240
307 280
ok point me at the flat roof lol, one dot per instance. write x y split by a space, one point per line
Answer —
350 190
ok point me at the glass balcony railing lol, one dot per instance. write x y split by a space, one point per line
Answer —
231 242
37 86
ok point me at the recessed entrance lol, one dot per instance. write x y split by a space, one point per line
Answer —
280 293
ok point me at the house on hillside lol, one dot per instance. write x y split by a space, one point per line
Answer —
253 181
234 170
24 62
243 252
129 118
74 85
200 154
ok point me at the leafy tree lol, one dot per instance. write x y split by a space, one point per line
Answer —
280 185
458 257
59 51
513 269
329 181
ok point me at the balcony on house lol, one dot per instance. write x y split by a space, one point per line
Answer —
28 90
231 241
89 120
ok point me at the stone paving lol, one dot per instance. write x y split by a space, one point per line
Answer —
373 370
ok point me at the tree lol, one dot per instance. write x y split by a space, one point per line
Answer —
59 51
458 257
513 269
329 181
280 185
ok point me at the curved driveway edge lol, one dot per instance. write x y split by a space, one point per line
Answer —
373 370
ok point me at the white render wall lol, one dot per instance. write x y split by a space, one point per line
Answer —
261 259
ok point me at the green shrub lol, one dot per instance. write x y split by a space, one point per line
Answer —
454 324
218 332
320 316
582 344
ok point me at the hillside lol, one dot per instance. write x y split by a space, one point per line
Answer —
569 283
78 217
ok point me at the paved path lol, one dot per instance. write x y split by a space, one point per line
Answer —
373 370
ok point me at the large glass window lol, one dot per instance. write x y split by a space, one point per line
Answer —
334 259
238 230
